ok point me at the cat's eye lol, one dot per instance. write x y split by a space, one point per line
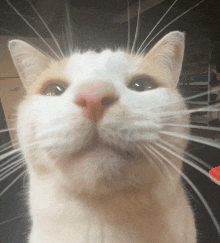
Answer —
54 89
142 84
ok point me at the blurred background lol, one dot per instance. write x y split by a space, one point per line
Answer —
83 24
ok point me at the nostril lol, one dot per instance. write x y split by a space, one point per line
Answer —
81 101
106 101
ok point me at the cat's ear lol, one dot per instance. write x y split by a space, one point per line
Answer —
28 61
167 56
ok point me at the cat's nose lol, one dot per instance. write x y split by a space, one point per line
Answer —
95 98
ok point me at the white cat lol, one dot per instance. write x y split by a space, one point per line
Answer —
92 129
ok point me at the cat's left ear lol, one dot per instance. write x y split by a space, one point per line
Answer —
166 56
29 61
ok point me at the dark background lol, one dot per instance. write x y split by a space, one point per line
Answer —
100 24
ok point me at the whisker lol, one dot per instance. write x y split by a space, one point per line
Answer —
199 160
47 28
9 220
161 163
11 165
186 178
172 182
183 159
17 150
193 138
6 146
64 37
214 107
129 28
36 32
11 170
10 32
7 130
171 23
154 165
5 155
169 114
137 26
202 94
4 165
12 183
217 129
189 155
139 49
69 29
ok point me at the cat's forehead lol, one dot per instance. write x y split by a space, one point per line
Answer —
106 64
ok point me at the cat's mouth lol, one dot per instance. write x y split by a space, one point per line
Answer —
124 153
96 141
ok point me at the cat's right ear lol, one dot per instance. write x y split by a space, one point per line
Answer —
28 61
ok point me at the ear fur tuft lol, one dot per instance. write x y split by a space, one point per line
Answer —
167 55
28 61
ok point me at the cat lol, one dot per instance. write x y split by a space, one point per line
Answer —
103 135
91 131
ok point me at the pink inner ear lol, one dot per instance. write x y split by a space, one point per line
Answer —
215 174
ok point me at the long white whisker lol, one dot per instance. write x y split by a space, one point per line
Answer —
198 160
7 130
10 32
189 155
12 183
139 49
217 129
5 147
186 178
184 111
12 170
17 150
206 108
170 24
36 32
161 163
4 165
9 220
193 138
69 29
47 27
201 94
137 26
65 41
155 166
183 159
10 166
5 155
129 27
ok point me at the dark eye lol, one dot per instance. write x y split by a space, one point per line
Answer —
54 89
142 84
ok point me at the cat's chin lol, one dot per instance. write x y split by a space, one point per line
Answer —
102 168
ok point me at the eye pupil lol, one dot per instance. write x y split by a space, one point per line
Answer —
138 86
54 89
142 84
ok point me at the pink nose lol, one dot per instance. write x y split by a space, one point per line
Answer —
94 98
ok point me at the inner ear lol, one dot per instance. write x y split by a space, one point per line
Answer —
29 61
166 56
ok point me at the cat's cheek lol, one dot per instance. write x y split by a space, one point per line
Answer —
67 143
59 128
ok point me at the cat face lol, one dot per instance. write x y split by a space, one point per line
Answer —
87 119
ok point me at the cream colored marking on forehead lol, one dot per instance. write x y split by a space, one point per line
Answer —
106 65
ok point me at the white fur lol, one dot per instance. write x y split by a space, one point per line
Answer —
83 192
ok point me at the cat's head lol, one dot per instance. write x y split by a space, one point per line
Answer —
90 120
